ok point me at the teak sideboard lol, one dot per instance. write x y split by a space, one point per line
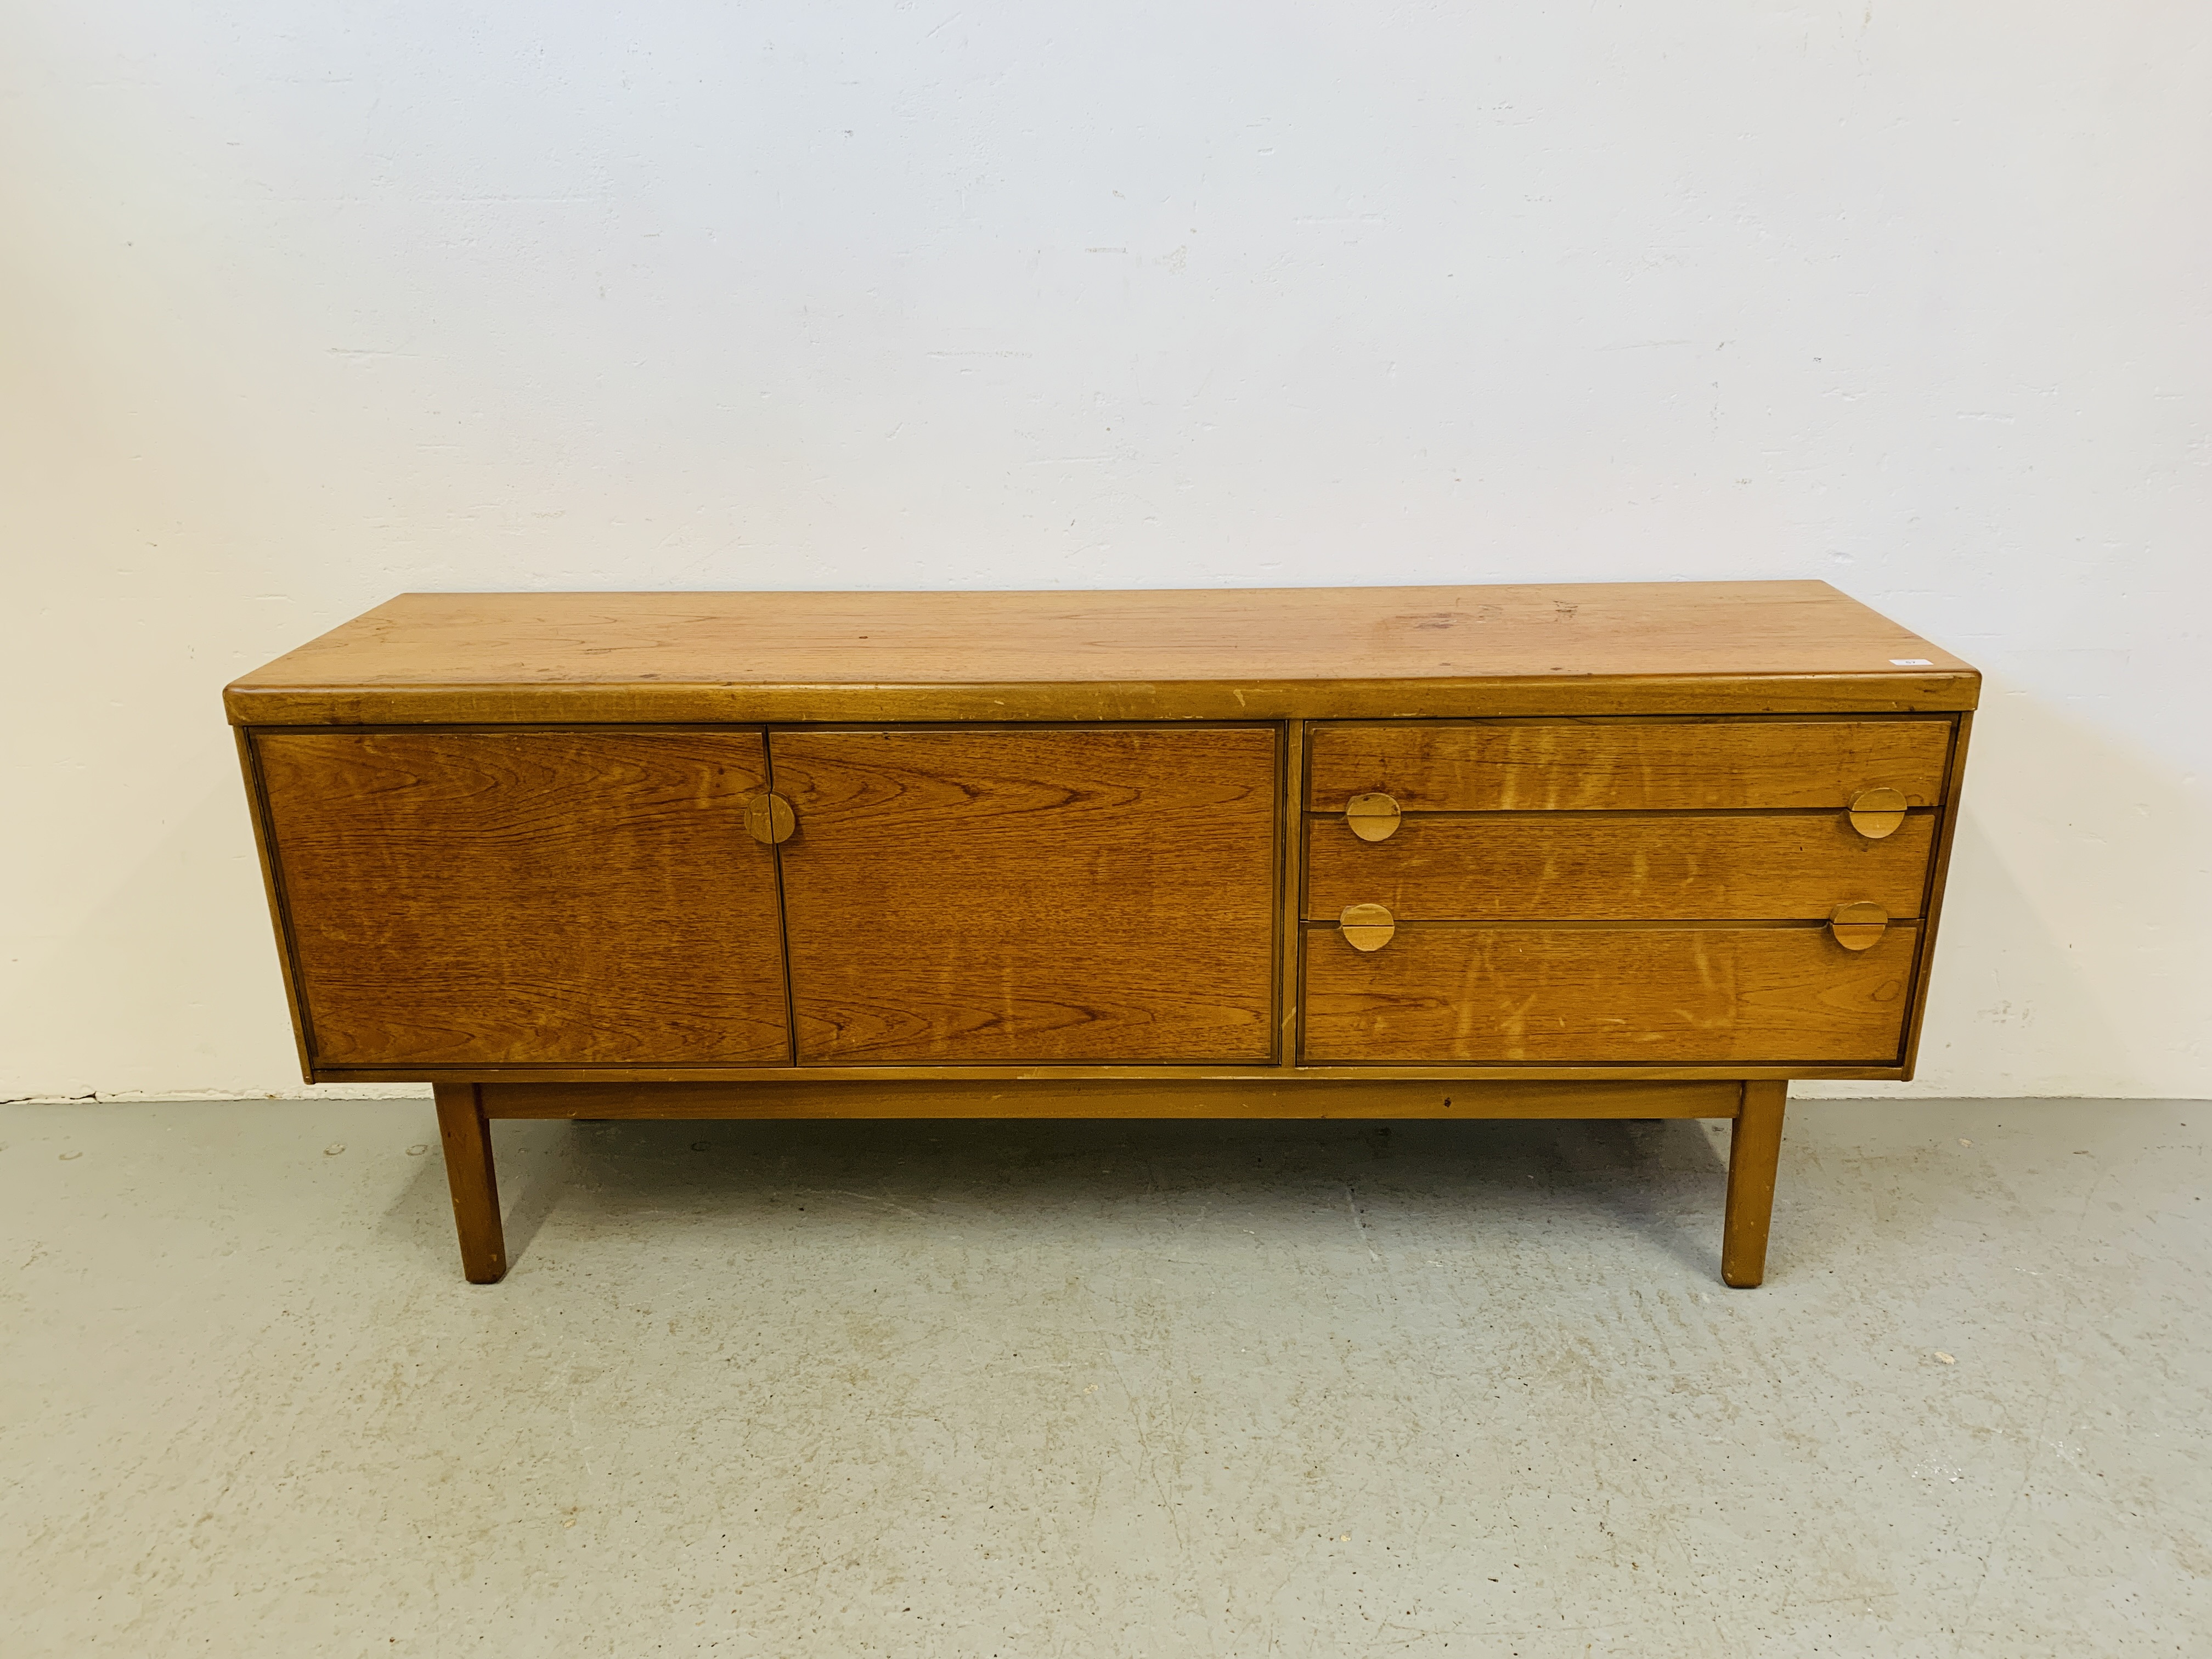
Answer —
1622 850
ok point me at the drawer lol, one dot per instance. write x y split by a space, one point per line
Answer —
1623 766
1537 866
1661 996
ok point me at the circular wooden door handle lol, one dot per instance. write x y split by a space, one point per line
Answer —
1858 926
1877 812
1372 818
770 819
1366 927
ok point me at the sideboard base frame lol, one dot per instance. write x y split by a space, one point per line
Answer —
1754 1108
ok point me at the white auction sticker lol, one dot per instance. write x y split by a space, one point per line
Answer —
1911 662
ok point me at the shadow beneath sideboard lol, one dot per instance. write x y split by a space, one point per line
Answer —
1424 1187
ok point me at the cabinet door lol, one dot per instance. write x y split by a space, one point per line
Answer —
516 898
1016 896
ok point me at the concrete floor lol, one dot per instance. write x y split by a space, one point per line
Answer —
1105 1389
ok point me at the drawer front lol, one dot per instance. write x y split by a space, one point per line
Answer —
1533 866
1660 996
1624 766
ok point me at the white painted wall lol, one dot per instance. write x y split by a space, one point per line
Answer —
305 306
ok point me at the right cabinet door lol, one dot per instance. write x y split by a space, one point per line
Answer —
1025 895
1592 892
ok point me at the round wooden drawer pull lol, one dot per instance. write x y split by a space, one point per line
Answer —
1366 927
770 820
1858 926
1877 812
1372 818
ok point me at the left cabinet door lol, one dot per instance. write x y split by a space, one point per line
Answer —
526 898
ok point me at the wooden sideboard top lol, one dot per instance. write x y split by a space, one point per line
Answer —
1218 653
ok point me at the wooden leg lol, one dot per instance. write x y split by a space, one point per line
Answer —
467 1136
1755 1149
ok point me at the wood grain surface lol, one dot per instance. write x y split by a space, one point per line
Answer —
1265 1070
1290 881
1754 1159
1095 894
1681 995
1630 766
1526 867
1279 1096
482 897
473 1181
257 804
1932 908
1708 648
